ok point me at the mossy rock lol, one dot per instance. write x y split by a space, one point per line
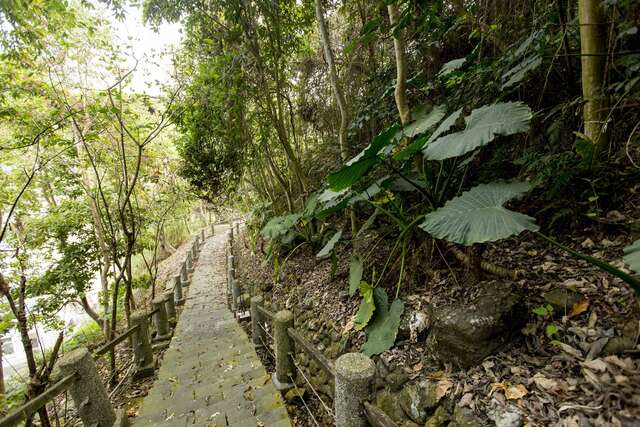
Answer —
388 403
467 332
464 417
440 418
397 379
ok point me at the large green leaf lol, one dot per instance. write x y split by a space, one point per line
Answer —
632 256
520 70
478 215
482 126
424 120
326 250
367 307
279 226
383 329
451 66
361 164
355 274
445 125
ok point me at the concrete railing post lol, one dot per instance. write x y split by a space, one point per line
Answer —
194 250
258 335
230 234
177 290
213 229
354 384
202 237
231 275
284 349
142 352
238 228
88 393
184 274
189 262
170 306
235 293
160 319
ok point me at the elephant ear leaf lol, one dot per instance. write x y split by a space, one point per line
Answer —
632 255
482 126
367 307
326 250
383 329
355 274
478 215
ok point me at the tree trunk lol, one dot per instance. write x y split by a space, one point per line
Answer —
593 53
401 66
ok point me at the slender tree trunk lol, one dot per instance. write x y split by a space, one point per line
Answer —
593 51
401 66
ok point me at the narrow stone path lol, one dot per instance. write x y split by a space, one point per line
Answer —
211 375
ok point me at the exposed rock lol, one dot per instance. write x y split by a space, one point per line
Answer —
417 401
397 379
440 418
464 417
410 400
412 324
562 299
388 402
506 416
466 333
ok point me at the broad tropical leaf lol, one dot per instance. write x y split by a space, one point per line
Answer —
478 215
451 66
326 250
279 226
383 329
517 73
424 120
482 126
632 256
367 307
361 164
355 274
445 125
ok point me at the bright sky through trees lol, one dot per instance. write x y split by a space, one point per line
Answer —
152 49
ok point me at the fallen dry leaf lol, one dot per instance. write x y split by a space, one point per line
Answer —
443 387
466 400
544 382
596 364
579 308
516 392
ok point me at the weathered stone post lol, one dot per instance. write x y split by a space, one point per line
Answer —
231 275
189 263
354 384
202 237
235 293
87 391
284 349
184 274
170 306
194 250
258 335
230 234
238 228
142 352
177 290
160 319
213 229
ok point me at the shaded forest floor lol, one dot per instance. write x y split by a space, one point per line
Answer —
587 373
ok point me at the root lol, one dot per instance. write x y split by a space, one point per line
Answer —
485 265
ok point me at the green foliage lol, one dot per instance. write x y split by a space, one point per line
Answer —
280 231
328 248
382 331
355 274
543 310
478 215
632 256
482 126
367 306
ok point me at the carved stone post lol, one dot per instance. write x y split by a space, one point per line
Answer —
177 290
258 335
170 306
160 319
88 393
284 349
142 352
354 385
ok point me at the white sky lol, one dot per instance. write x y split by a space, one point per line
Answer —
151 48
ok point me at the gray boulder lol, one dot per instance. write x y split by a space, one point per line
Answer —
467 332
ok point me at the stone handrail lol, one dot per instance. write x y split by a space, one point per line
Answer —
353 373
78 367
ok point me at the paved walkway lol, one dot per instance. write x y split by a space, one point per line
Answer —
211 375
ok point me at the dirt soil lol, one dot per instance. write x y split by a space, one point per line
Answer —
586 374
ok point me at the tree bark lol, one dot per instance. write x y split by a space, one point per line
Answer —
593 51
401 66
